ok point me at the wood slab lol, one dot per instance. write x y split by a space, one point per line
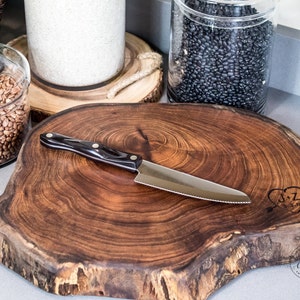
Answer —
47 100
73 226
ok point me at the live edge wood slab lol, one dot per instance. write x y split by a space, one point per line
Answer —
73 226
46 100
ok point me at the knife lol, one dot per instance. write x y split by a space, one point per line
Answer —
149 173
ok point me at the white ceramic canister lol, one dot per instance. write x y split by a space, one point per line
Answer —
75 43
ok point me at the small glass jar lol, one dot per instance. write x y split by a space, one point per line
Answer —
220 52
14 104
75 44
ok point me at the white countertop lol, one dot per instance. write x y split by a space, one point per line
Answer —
272 283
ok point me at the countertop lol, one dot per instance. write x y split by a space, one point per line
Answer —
272 283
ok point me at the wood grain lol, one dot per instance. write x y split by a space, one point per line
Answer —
47 100
72 226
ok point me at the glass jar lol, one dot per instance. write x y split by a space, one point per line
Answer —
14 104
74 43
220 52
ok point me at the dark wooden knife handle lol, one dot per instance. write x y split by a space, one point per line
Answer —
92 150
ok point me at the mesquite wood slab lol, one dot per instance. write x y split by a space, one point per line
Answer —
47 100
73 226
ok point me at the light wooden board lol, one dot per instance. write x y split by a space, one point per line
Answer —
48 100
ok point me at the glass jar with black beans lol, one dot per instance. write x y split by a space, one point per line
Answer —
220 52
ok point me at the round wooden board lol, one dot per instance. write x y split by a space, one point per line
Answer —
73 226
48 100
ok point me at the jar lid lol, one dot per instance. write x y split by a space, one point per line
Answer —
228 13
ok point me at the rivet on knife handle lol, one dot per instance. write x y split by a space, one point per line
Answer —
92 150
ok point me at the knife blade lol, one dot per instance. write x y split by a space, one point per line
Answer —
149 173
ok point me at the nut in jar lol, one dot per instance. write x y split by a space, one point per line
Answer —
14 106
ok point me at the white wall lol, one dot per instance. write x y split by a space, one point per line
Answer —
289 13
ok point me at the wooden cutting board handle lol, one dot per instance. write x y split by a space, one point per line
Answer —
73 226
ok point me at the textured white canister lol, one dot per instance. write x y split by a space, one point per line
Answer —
75 43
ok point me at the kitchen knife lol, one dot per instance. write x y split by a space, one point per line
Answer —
149 173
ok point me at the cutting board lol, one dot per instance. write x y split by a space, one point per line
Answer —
46 100
73 226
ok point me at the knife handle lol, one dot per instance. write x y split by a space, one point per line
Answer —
92 150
